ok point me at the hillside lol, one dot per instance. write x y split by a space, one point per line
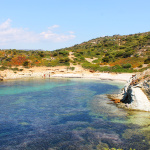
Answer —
127 53
114 53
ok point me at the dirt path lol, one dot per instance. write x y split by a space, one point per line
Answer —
71 56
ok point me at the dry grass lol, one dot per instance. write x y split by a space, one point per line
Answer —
135 62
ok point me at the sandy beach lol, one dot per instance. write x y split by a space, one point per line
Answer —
62 72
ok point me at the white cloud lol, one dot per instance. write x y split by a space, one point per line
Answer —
9 35
53 27
52 36
5 24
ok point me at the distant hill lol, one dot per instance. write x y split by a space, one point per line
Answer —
126 53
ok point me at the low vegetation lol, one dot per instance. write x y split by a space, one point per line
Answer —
12 57
115 53
127 53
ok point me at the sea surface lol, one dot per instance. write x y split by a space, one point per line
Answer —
68 114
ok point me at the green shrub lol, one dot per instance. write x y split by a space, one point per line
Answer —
119 53
96 61
41 54
55 54
127 65
26 63
147 61
64 53
116 67
14 69
71 68
105 59
64 60
90 66
140 66
127 54
136 55
97 53
3 68
82 58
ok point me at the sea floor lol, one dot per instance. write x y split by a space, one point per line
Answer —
68 114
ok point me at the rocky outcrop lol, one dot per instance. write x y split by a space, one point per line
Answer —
136 99
136 93
146 87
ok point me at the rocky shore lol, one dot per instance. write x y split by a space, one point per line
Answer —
135 94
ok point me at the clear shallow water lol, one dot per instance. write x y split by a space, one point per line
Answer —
67 115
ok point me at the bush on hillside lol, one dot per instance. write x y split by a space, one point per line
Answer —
64 53
147 61
127 54
127 65
106 59
3 68
26 63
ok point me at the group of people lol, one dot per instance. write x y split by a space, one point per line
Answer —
44 76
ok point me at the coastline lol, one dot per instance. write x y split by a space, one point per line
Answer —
137 100
135 97
62 72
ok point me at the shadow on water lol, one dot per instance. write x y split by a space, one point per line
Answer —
67 115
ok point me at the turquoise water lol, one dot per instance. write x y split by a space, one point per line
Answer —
67 114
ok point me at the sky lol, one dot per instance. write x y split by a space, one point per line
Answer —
55 24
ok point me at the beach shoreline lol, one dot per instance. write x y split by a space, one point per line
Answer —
62 72
139 99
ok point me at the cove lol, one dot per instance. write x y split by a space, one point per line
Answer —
68 114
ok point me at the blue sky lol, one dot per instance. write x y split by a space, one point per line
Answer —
54 24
